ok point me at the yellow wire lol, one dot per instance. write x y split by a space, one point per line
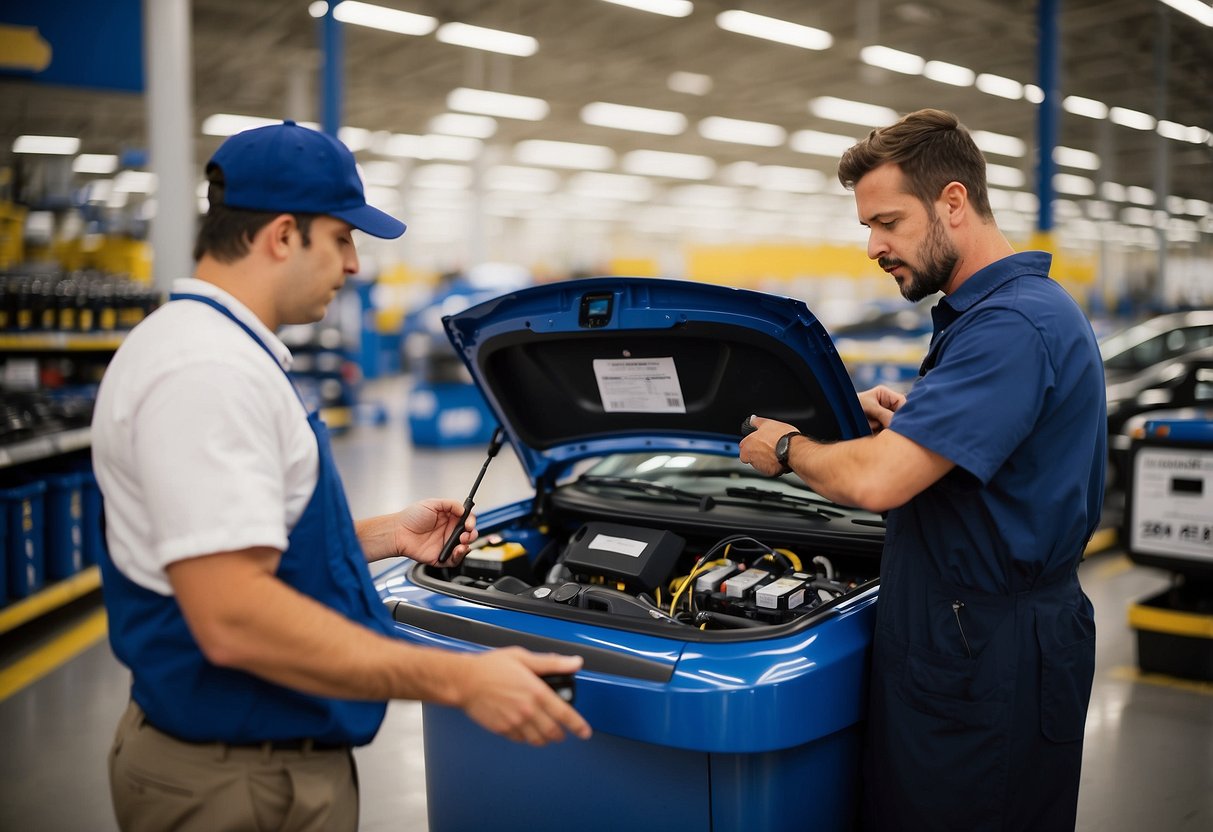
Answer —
698 570
792 557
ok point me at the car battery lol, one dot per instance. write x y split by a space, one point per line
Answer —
64 525
740 587
781 595
495 560
90 523
711 580
25 507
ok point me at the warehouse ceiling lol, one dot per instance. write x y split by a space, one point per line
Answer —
262 58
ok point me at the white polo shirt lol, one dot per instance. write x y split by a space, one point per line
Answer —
200 444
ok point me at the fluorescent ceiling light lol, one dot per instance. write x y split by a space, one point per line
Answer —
1197 207
564 154
821 144
456 148
738 131
135 182
355 138
1000 86
852 112
1142 196
945 73
670 8
611 186
640 119
520 179
445 177
740 173
1179 132
1194 9
1088 107
502 104
661 163
1131 118
1113 192
1004 176
462 124
227 124
998 143
489 40
1033 93
103 163
378 17
1069 157
795 180
387 174
704 196
893 59
772 28
47 145
1068 183
691 83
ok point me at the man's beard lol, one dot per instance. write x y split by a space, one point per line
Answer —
938 257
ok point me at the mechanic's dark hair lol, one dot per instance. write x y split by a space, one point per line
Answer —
932 148
225 233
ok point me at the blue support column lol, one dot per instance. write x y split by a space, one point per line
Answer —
333 80
1049 118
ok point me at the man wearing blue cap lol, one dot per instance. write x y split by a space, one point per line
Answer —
235 579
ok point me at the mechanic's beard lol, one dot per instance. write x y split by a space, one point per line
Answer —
939 258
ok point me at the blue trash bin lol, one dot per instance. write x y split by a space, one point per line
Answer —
25 507
64 525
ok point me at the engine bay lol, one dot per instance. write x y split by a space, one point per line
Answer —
630 571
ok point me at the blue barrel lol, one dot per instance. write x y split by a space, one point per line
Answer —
25 507
64 525
3 556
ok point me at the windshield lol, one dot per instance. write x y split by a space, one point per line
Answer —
709 485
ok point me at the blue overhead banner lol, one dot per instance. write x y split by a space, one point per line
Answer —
75 43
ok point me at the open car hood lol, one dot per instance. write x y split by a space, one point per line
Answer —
603 365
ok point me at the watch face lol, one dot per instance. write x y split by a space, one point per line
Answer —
781 449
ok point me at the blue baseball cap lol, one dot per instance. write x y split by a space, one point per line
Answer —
293 170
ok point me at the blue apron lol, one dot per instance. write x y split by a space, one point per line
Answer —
186 696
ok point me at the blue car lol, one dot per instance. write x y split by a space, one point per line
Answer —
724 618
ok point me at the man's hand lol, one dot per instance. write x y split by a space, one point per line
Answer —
501 691
421 530
758 449
879 404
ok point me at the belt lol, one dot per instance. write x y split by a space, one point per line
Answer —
304 744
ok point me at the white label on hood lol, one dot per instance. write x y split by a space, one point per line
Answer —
639 385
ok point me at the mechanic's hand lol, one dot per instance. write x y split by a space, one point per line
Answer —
501 691
423 528
879 404
758 449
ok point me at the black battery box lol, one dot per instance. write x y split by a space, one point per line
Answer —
639 557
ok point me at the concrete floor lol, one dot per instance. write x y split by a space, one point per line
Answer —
1149 742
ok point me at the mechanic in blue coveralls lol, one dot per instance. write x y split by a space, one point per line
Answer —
236 581
991 470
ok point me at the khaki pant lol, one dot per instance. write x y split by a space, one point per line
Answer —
161 783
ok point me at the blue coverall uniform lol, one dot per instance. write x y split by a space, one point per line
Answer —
984 651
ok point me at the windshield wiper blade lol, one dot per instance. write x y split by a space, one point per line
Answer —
652 489
785 500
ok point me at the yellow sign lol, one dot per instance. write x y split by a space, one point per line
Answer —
22 48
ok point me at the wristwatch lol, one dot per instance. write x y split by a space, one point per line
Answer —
782 447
